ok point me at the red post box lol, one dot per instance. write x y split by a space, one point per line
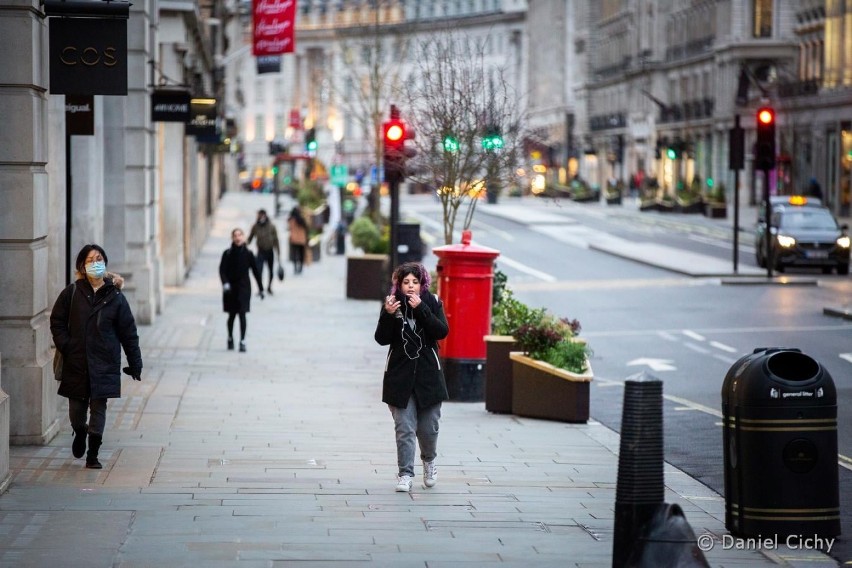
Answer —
465 279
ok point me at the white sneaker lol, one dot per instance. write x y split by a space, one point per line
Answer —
430 473
403 483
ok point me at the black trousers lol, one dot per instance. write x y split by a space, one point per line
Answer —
266 257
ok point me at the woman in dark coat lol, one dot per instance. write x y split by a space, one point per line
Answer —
411 322
234 269
91 322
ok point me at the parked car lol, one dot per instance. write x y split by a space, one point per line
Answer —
804 234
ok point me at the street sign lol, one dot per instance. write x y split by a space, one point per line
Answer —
339 174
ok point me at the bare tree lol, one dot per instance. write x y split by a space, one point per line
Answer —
370 74
468 124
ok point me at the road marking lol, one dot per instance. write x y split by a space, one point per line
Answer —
655 364
693 335
526 269
696 348
728 360
723 347
492 229
846 356
842 460
667 336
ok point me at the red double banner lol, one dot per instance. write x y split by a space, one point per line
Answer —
273 26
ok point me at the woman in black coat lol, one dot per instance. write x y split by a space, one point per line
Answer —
91 322
411 322
234 269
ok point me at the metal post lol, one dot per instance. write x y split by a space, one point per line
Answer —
768 213
68 201
393 186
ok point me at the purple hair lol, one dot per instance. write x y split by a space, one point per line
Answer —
416 269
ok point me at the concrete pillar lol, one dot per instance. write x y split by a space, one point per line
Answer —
131 210
24 213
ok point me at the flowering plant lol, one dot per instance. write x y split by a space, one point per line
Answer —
552 340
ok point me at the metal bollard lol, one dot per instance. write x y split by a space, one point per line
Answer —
639 486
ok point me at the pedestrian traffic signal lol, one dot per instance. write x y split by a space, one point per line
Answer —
764 148
671 153
394 134
311 140
492 139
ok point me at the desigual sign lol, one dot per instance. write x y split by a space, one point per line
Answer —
88 56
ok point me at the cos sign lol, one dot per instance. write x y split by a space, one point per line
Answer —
88 56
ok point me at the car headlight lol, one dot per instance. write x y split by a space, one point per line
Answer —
786 241
843 242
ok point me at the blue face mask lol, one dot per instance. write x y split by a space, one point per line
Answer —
97 269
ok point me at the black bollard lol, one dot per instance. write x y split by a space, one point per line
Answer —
639 487
667 541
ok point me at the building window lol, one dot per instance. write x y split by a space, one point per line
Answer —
762 18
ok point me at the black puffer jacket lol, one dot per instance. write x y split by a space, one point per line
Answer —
412 363
91 339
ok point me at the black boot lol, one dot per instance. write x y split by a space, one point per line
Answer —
230 344
92 456
78 446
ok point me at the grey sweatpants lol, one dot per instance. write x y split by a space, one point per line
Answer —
410 423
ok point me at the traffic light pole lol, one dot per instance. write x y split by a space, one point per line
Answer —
768 213
393 188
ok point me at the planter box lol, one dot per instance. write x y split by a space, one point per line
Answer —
540 390
613 200
716 210
498 373
366 277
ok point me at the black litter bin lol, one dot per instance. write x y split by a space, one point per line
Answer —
779 409
410 247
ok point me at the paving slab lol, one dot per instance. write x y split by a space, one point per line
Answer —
285 455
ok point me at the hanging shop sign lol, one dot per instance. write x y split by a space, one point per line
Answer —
273 26
88 56
204 121
80 115
268 64
170 105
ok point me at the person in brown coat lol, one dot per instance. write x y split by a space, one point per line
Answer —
298 228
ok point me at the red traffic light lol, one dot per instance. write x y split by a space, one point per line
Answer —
765 116
394 132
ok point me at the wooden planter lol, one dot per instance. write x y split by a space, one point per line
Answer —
498 373
366 276
540 390
715 210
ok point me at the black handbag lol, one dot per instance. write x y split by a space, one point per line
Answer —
280 272
57 355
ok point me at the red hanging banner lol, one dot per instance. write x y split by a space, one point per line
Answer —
273 26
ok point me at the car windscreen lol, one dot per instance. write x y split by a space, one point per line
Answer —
808 219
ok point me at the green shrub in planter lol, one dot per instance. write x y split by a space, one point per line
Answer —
551 340
367 237
508 314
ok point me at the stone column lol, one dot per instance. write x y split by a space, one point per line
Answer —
130 226
24 213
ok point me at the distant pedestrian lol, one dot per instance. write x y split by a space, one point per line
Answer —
298 228
267 245
814 189
411 322
237 261
91 322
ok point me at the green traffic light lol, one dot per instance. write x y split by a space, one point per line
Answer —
671 154
451 144
493 142
312 145
710 182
